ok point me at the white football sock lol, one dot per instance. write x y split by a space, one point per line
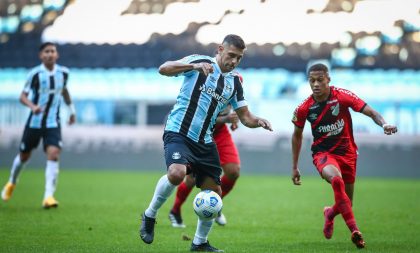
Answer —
202 232
16 168
163 190
51 177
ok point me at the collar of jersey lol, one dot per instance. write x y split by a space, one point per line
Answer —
52 72
218 68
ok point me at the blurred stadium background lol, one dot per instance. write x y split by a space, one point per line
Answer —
113 49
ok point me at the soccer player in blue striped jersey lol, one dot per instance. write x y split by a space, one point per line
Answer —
47 85
209 86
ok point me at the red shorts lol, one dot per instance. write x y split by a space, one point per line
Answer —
227 150
346 164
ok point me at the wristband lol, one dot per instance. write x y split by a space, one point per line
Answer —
72 109
385 125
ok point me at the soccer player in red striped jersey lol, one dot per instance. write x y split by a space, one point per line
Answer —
333 149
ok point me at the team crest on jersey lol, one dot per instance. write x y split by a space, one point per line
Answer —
176 155
335 109
228 88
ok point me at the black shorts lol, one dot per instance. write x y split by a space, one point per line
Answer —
32 136
202 160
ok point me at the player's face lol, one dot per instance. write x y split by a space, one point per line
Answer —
229 57
320 83
49 55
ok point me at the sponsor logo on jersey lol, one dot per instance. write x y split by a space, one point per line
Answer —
49 91
212 92
332 129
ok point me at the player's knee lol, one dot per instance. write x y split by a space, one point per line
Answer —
176 175
24 157
232 171
189 181
233 175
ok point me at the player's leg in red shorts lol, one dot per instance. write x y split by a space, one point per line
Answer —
328 165
229 158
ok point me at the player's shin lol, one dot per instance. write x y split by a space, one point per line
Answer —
343 203
226 185
16 168
181 195
51 178
163 190
203 230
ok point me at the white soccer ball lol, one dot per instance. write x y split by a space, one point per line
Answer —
207 204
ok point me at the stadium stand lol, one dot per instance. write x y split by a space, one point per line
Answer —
113 48
25 23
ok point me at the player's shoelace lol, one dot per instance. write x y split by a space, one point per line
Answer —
149 224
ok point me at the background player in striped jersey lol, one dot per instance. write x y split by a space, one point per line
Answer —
229 160
47 84
209 86
334 150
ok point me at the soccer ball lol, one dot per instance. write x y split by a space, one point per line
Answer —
207 204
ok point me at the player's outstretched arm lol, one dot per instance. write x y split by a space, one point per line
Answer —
379 120
252 121
296 145
231 118
173 68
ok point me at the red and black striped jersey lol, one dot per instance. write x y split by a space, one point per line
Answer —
330 120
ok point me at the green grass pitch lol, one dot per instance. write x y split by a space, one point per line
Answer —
99 212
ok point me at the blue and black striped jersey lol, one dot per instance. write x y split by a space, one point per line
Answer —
45 89
202 98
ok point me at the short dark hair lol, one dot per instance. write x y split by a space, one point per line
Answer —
234 40
46 44
318 67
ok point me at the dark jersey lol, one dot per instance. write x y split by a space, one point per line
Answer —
330 120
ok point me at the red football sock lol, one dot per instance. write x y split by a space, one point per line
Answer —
343 203
227 185
181 195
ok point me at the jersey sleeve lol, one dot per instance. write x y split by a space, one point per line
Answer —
299 116
29 81
66 72
195 58
351 100
238 99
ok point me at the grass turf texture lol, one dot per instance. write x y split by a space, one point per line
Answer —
100 210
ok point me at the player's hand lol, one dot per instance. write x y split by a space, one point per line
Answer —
72 119
296 177
389 129
203 67
265 124
233 126
232 118
36 109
